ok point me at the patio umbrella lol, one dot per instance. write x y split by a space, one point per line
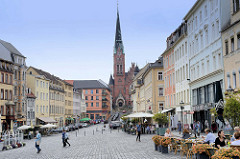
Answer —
85 119
139 115
24 127
48 126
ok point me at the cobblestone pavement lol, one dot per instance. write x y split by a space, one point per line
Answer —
109 145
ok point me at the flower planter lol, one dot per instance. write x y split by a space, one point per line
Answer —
160 148
202 156
164 149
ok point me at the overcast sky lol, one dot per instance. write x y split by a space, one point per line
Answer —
74 39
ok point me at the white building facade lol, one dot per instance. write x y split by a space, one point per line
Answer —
204 22
181 61
76 104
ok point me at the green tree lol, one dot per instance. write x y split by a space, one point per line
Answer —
124 118
160 118
232 110
135 120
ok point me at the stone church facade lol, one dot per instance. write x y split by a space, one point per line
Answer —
120 81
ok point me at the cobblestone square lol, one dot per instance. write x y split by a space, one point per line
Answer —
109 145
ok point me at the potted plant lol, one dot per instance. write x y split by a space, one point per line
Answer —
157 139
201 150
226 154
165 141
154 138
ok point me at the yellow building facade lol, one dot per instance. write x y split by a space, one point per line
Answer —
39 85
147 90
231 50
50 103
68 89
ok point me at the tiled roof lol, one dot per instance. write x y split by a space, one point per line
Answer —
47 75
89 84
31 95
69 81
10 48
5 54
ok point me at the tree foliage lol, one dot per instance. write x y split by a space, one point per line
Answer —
135 120
232 110
160 118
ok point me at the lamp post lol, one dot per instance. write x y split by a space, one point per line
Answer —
182 108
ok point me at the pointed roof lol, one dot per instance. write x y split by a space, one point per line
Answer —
118 36
111 80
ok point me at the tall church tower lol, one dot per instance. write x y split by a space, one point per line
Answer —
121 80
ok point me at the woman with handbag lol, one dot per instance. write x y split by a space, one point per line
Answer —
38 141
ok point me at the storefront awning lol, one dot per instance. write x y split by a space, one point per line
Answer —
167 110
47 120
69 118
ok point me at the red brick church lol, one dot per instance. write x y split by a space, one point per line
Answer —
120 81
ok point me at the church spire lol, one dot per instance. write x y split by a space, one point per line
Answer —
118 35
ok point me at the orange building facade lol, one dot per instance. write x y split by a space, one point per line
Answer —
97 103
97 97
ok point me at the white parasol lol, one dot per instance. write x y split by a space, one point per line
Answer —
139 115
24 127
48 126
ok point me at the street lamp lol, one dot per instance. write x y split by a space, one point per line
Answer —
182 107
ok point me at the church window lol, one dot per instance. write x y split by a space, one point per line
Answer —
121 69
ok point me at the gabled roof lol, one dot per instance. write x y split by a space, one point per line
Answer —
31 95
47 75
89 84
10 48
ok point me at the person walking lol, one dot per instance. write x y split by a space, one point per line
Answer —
198 128
195 128
138 127
38 141
63 137
66 139
179 127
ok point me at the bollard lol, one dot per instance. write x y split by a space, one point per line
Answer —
110 130
118 129
76 133
93 132
102 131
84 133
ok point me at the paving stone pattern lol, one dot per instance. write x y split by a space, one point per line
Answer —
109 145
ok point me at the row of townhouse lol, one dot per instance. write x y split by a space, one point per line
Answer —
56 100
98 98
30 96
202 61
